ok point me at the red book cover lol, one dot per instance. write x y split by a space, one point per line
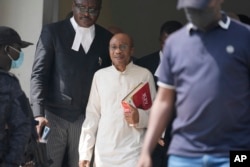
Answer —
139 97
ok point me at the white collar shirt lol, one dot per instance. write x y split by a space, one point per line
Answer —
84 36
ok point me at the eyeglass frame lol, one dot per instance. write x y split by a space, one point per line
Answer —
121 47
90 11
13 48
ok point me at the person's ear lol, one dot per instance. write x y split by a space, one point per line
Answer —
6 49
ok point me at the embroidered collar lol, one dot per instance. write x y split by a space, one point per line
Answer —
128 67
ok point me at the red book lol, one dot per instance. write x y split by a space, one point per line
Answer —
139 97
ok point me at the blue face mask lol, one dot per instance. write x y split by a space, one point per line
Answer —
18 62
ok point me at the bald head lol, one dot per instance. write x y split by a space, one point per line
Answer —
123 37
121 48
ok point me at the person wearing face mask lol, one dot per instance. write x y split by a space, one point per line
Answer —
15 124
107 129
68 53
207 80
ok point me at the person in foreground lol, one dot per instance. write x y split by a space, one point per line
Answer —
68 54
107 127
209 76
151 62
15 124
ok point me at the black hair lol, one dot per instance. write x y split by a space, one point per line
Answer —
170 26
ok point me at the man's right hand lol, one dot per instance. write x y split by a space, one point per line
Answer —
144 160
84 163
42 122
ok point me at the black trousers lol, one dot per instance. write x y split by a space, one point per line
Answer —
159 156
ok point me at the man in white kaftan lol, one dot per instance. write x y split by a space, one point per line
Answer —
106 128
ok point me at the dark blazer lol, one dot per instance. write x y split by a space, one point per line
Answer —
14 112
61 77
150 62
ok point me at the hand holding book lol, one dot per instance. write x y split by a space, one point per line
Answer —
139 97
131 114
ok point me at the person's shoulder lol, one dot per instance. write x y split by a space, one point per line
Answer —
148 58
239 24
8 81
179 34
103 70
101 28
103 31
178 37
7 75
56 25
240 30
55 29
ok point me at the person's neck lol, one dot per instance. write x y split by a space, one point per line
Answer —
3 67
121 68
212 24
209 26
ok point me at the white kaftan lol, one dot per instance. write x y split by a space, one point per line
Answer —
116 143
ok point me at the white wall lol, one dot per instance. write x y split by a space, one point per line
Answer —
25 16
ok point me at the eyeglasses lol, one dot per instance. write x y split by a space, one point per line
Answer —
18 51
121 47
90 11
